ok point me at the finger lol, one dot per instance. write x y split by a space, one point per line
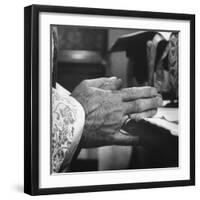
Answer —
112 83
133 93
141 105
122 138
142 115
151 55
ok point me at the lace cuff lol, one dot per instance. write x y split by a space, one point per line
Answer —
68 119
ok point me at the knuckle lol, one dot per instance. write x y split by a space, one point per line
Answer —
89 91
85 82
136 116
130 93
126 92
138 105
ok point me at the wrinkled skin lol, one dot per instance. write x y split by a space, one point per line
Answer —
107 107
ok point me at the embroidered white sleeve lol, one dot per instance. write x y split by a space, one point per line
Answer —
67 126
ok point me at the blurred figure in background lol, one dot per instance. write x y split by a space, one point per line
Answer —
153 60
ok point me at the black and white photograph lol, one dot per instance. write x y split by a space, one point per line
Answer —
109 100
126 83
100 100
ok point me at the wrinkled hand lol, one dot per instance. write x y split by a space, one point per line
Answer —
107 108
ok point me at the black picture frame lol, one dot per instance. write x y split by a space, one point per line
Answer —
31 98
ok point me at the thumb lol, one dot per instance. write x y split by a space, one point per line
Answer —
112 83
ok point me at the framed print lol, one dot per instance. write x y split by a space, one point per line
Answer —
109 99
